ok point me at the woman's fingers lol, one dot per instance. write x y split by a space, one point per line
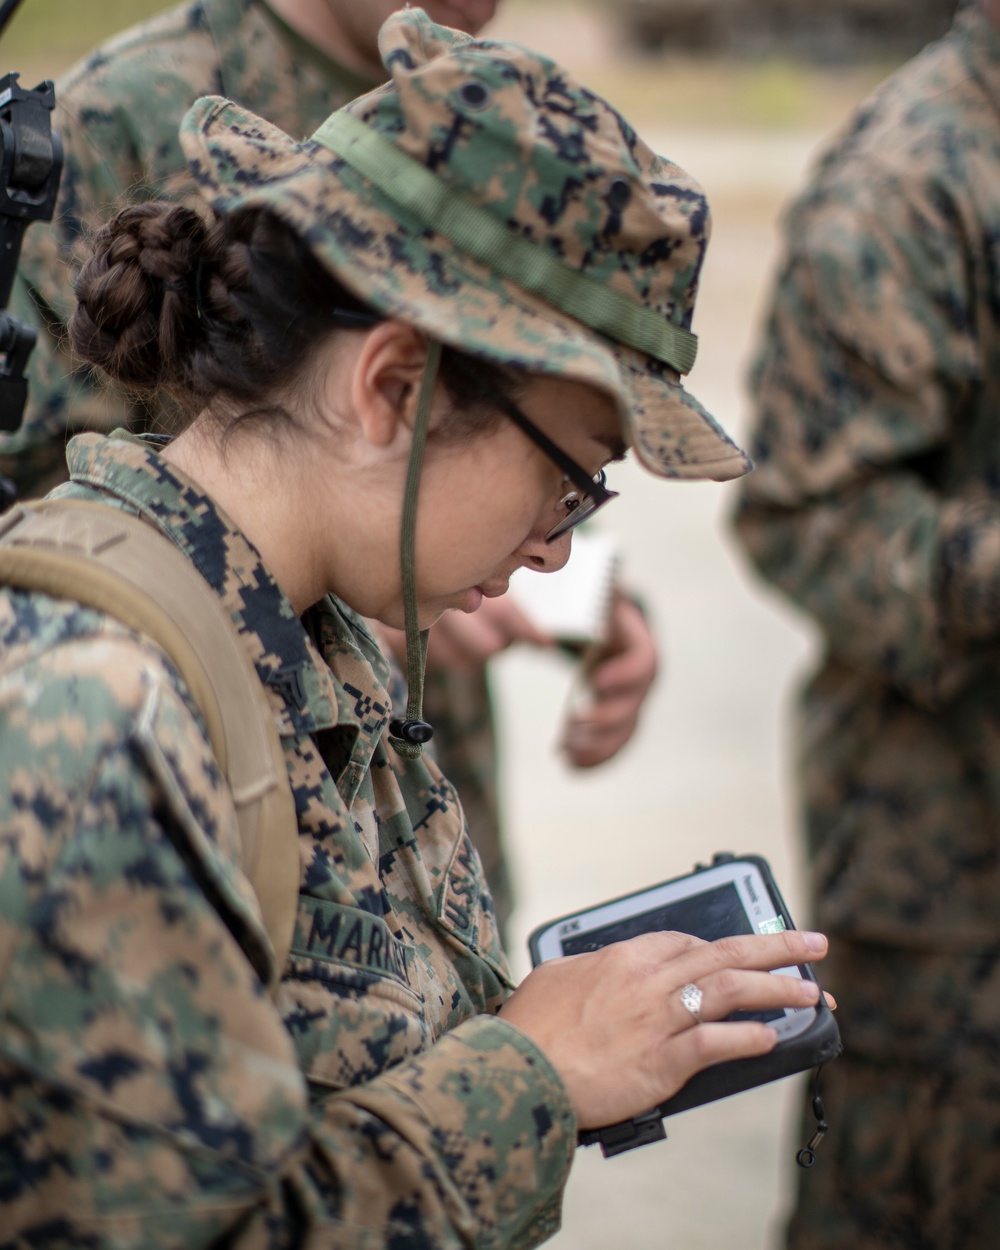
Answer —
613 1024
679 958
696 1049
728 990
757 952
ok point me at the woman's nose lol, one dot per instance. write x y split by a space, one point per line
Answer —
543 556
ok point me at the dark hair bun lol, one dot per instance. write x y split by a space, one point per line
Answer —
137 316
229 308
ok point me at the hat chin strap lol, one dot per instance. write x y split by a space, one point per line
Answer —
408 736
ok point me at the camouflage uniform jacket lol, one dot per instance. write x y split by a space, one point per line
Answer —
153 1094
118 112
875 504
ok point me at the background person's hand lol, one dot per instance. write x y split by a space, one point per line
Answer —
464 641
613 1025
605 717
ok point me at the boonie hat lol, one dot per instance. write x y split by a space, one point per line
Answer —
487 197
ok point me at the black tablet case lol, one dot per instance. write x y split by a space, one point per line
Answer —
818 1045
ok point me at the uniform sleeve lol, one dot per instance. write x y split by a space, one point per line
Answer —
868 365
117 116
151 1092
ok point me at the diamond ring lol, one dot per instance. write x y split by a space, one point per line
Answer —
691 999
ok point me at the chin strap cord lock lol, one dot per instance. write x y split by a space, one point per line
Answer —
414 732
409 734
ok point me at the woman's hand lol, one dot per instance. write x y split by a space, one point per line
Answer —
613 1025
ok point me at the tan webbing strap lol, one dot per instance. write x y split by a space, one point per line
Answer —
109 560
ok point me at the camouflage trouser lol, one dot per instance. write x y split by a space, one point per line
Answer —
458 706
912 1158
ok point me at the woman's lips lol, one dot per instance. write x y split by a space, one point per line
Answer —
473 597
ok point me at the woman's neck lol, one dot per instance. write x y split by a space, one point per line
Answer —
260 486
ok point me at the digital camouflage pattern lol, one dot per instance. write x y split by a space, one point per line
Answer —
459 704
875 506
118 114
153 1094
893 1128
913 1105
875 503
508 136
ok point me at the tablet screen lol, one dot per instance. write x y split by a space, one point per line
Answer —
712 914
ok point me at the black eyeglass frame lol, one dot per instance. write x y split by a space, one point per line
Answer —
594 493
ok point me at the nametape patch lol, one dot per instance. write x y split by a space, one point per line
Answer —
348 935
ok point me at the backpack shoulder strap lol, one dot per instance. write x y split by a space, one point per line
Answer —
121 565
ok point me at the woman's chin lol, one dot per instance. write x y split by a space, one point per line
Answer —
470 599
430 613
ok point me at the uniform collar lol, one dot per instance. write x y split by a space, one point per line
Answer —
324 672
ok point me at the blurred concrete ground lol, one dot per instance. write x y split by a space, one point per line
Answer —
710 769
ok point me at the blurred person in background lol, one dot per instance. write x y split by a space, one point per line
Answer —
118 112
875 506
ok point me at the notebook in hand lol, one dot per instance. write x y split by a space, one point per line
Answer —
573 605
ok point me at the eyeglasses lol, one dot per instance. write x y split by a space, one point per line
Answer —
589 493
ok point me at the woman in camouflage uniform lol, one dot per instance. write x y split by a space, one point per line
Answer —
395 1091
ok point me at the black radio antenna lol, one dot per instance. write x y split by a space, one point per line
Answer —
7 11
30 166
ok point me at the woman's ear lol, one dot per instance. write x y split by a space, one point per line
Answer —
385 381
